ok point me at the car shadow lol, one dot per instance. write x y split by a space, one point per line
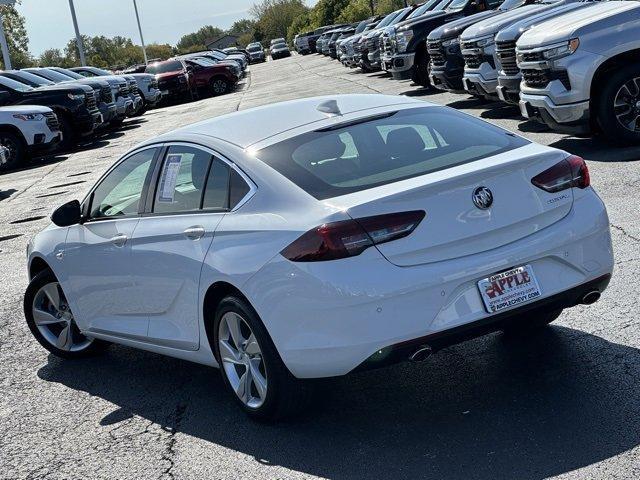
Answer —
597 149
492 408
472 103
501 111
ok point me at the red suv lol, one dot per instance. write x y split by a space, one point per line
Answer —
174 79
209 76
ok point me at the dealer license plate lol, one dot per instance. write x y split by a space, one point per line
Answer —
509 289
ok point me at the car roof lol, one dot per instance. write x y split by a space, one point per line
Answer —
249 127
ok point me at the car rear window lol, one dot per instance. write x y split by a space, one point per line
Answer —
384 149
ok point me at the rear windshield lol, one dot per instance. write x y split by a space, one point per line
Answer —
385 149
254 48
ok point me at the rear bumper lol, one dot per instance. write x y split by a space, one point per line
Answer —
437 341
327 318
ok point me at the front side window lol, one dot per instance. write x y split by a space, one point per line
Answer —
120 191
182 180
384 149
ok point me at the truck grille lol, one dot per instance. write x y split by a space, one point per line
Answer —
473 60
123 90
541 78
52 121
90 100
506 52
532 57
387 45
105 95
358 47
436 52
372 43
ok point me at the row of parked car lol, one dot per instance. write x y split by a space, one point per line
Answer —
54 108
570 64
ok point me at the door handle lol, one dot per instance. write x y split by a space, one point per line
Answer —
119 240
194 233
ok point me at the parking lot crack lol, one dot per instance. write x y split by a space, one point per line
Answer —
625 233
169 452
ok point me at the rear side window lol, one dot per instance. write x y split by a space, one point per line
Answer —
182 180
385 149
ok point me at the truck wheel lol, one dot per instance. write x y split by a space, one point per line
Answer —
421 70
68 134
16 150
219 86
618 106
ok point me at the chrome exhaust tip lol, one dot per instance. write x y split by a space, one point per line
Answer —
591 297
422 353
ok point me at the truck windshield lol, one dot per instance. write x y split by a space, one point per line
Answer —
361 26
13 85
423 9
100 71
51 75
164 67
388 19
68 73
31 79
457 5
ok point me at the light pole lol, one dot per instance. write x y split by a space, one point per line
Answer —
3 38
78 37
144 49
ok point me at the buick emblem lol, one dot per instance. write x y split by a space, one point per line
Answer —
482 198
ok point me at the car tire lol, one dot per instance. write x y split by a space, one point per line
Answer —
17 150
143 106
533 320
68 134
421 70
606 115
284 395
219 86
74 344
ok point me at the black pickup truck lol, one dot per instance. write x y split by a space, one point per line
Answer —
75 106
405 52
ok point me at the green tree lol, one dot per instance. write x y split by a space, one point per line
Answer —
54 57
159 50
384 7
17 37
193 42
241 27
275 16
325 12
355 11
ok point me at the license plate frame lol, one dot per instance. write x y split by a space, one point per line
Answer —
509 289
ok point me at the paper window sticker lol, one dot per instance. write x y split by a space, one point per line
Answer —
169 178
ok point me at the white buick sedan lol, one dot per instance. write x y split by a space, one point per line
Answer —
316 237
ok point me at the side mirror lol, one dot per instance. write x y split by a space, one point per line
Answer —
67 214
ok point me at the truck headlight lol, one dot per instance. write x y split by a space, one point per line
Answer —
35 117
403 38
561 50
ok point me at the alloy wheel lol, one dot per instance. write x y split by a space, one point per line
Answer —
626 105
242 360
54 319
219 87
12 149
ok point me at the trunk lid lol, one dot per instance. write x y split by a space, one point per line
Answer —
454 226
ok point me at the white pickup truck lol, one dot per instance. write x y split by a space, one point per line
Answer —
27 130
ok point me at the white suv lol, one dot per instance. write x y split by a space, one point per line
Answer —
27 130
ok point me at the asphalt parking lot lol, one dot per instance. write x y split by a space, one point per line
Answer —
564 403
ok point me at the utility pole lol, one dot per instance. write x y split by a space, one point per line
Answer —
144 49
3 38
78 37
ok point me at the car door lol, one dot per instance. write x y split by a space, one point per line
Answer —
97 253
172 238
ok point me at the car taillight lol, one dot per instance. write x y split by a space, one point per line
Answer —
348 238
570 172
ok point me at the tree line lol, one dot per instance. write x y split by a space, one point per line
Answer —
269 19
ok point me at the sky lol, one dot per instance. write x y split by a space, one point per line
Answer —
49 22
